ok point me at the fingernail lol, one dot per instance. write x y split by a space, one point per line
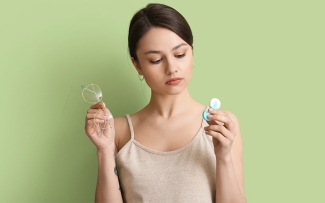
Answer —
210 110
210 116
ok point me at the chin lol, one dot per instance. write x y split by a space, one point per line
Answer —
174 92
171 91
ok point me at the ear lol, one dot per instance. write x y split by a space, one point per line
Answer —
136 65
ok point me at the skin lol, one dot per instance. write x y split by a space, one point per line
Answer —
163 55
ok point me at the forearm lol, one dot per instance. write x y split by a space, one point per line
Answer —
227 188
108 188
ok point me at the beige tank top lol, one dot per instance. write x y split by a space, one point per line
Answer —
187 174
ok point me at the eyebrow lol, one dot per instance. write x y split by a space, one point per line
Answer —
157 52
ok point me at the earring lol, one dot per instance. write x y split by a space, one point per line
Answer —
140 77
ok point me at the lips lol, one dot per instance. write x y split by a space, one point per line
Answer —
173 81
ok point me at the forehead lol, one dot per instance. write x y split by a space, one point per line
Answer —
159 39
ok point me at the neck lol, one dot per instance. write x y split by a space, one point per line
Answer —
168 106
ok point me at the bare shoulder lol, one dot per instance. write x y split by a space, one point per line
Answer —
122 132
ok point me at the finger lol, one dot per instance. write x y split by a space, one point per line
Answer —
90 127
217 135
226 121
221 129
217 111
108 129
109 125
230 124
95 123
96 116
91 132
109 120
107 113
99 121
92 111
98 105
217 128
91 123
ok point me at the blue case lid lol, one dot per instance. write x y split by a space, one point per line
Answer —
205 115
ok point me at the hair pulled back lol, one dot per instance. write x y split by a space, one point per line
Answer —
157 15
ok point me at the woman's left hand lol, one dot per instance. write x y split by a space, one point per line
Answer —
223 130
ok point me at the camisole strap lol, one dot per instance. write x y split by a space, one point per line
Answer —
130 125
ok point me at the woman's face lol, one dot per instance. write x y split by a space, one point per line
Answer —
165 60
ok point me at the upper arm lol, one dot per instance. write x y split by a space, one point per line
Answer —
237 154
122 132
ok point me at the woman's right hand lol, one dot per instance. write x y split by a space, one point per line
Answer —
106 139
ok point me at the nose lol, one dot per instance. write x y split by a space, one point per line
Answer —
171 68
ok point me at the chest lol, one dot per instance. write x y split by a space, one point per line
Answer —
185 176
167 136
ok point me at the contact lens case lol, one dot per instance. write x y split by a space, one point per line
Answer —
214 104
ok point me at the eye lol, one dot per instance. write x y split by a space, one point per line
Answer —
180 55
156 62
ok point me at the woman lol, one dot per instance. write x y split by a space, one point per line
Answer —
166 152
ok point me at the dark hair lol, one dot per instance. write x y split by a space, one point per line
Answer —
157 15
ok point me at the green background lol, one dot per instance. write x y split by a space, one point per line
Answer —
263 59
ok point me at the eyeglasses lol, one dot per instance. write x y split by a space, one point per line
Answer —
93 94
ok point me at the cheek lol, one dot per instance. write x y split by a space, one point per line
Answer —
153 75
150 77
189 67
